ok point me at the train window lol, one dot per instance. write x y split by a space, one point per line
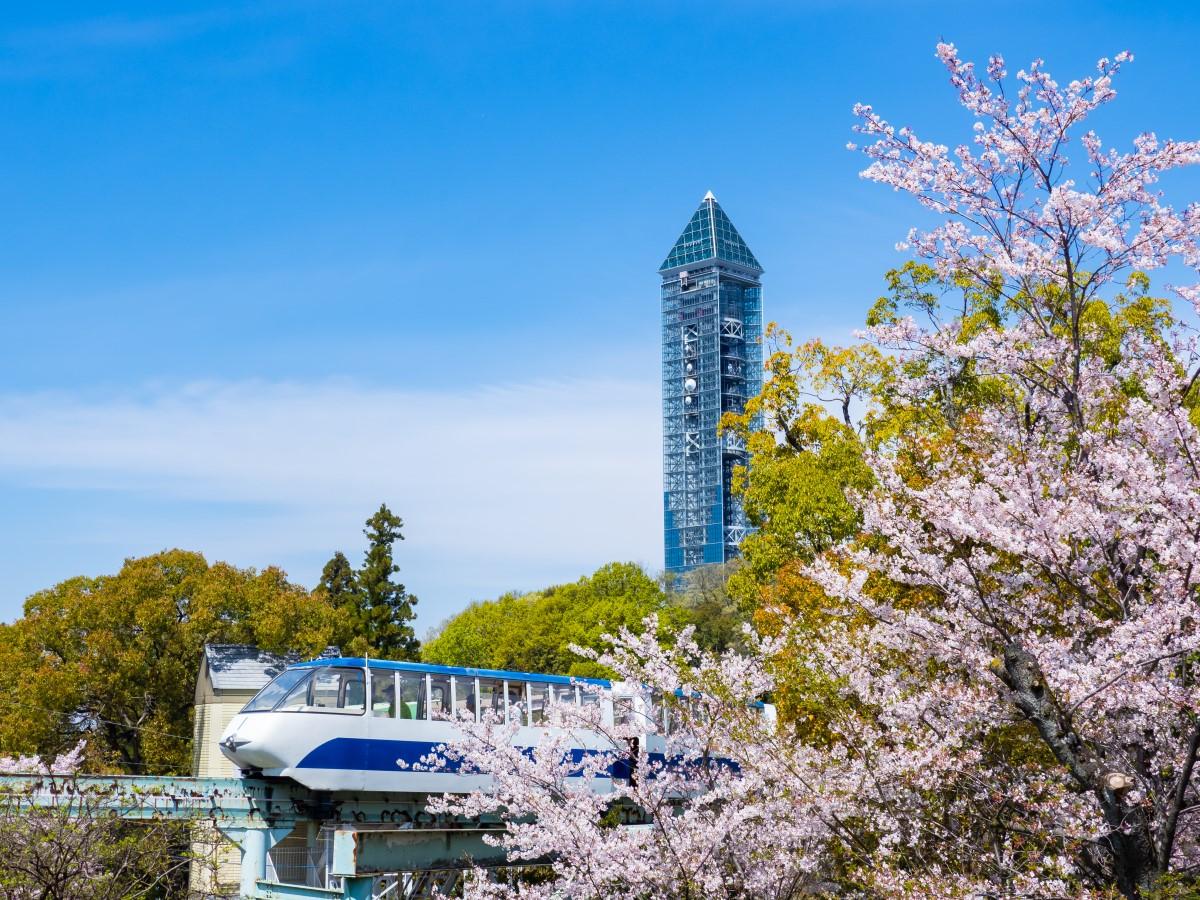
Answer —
464 698
297 697
655 712
383 694
589 696
491 697
354 692
623 711
439 697
326 686
269 696
516 701
338 690
537 703
412 696
563 693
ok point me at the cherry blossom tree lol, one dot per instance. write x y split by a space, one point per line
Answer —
1009 643
1047 537
59 839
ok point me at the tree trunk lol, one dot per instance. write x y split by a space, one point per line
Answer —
1130 847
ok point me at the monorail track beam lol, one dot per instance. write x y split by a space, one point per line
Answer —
374 835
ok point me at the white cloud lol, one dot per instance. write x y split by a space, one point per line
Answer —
499 487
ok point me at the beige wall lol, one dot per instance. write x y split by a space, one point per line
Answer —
211 719
217 870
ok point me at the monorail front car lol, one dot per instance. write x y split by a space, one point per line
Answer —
350 724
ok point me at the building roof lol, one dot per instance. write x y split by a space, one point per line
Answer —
240 667
710 236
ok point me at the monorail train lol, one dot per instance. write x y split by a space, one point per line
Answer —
350 724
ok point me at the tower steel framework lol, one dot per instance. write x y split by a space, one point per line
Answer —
711 364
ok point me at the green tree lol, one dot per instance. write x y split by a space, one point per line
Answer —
375 613
704 599
338 584
803 461
533 632
387 607
114 659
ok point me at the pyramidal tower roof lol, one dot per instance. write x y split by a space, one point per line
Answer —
710 235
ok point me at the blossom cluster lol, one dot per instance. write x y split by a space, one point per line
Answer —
718 805
1010 199
64 764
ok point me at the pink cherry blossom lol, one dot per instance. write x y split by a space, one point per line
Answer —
64 764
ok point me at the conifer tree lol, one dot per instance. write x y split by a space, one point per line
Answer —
385 608
377 613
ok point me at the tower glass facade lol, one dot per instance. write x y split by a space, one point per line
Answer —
712 363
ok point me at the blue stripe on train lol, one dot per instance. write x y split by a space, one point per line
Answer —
371 755
384 756
363 754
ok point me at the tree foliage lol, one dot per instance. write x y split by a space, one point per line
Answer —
115 658
533 632
805 467
338 584
703 599
804 461
377 611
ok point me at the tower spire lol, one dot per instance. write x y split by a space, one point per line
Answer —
710 235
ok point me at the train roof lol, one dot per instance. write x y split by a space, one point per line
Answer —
450 670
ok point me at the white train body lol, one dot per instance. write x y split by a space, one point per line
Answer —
349 724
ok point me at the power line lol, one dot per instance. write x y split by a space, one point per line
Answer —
55 712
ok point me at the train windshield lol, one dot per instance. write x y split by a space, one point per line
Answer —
276 690
330 689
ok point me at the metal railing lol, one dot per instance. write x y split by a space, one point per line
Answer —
416 885
307 866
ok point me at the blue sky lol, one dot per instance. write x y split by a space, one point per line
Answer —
264 266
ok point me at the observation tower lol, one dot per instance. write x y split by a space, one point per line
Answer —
712 363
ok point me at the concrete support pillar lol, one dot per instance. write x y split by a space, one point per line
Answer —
254 843
254 860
